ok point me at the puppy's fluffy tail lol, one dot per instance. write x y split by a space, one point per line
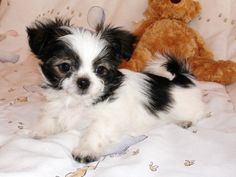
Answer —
167 66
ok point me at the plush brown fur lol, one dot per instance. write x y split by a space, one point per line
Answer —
165 30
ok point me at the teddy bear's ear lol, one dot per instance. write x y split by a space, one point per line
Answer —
42 34
121 40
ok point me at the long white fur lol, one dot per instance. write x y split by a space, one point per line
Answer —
104 124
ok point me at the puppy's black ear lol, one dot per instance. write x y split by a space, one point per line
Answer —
122 41
42 34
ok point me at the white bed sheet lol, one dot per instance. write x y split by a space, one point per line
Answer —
207 150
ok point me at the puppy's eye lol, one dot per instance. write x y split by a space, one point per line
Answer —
101 70
64 67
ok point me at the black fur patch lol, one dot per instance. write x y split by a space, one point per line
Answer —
120 40
112 82
119 43
56 53
42 36
120 46
44 43
180 70
183 81
159 93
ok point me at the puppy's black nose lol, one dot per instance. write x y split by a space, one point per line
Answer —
83 83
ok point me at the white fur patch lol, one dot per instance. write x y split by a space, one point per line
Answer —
88 46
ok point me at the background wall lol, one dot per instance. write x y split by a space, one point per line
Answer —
217 22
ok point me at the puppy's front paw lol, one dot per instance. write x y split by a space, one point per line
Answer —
84 156
86 159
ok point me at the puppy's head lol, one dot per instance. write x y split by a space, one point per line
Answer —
77 60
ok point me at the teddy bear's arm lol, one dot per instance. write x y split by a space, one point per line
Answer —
204 69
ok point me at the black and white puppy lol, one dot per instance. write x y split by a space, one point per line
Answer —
86 90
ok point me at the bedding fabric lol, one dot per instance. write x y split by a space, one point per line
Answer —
205 150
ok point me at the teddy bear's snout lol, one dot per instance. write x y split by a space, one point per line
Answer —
175 1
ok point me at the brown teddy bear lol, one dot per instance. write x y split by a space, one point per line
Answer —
165 30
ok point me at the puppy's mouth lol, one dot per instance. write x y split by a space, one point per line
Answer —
82 92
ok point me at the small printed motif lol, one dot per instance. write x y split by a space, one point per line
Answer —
153 167
208 20
20 127
22 99
136 152
11 90
205 94
188 163
81 172
21 123
209 114
225 20
194 131
220 15
232 22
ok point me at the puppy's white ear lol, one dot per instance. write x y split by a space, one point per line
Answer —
42 34
121 40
